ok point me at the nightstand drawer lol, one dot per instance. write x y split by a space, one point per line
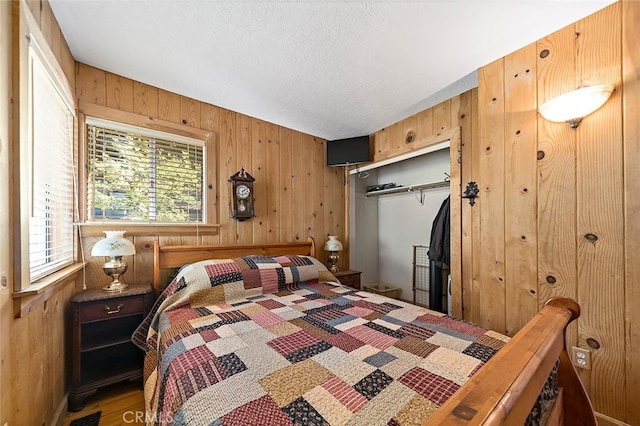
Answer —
111 308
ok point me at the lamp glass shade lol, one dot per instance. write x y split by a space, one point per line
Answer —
576 104
115 244
333 244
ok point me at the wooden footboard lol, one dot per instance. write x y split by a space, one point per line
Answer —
505 389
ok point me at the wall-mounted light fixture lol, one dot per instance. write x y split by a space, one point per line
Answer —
573 106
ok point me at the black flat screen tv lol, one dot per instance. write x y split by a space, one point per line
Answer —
344 152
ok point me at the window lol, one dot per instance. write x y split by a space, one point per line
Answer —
141 176
51 171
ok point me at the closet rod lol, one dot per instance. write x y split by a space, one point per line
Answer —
410 188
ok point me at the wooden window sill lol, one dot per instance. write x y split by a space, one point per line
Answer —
38 292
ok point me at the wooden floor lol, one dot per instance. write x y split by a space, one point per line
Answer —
121 404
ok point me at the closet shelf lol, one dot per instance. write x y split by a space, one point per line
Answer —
409 188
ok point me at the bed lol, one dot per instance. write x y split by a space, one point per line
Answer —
265 335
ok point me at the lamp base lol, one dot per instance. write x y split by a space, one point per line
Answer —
115 286
114 268
333 259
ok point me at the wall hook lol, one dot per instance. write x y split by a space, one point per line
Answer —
471 192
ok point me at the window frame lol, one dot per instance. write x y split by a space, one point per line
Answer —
29 41
150 134
210 225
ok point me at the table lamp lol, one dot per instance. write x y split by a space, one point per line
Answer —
333 246
115 245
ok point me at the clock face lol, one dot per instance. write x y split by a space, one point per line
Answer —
243 191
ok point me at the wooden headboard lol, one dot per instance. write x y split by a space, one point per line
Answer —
165 257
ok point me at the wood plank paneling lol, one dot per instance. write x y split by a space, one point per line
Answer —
210 120
91 85
238 141
473 312
424 124
491 198
7 394
145 99
259 172
631 135
600 212
119 92
318 167
274 190
189 112
244 230
169 106
520 177
298 171
464 117
228 162
442 117
286 197
309 186
557 273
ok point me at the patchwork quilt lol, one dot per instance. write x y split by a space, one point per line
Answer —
278 341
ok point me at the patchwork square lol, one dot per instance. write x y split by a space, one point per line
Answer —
416 331
481 352
288 344
287 384
300 412
357 311
317 330
307 352
344 341
328 406
372 337
266 319
433 387
221 268
262 411
379 359
270 304
385 330
373 384
347 395
415 346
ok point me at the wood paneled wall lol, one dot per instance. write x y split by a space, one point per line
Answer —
296 195
557 211
34 349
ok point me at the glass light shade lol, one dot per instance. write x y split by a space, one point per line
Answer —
115 245
333 244
573 106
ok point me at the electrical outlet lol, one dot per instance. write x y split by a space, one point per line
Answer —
581 358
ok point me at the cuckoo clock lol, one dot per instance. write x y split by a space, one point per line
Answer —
242 195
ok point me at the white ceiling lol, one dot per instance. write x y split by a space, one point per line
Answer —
333 69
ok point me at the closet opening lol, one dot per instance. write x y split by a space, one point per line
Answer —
393 204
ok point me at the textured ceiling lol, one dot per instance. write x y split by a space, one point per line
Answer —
331 69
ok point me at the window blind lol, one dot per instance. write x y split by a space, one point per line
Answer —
145 178
51 234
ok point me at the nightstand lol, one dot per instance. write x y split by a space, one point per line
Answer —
349 278
103 352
